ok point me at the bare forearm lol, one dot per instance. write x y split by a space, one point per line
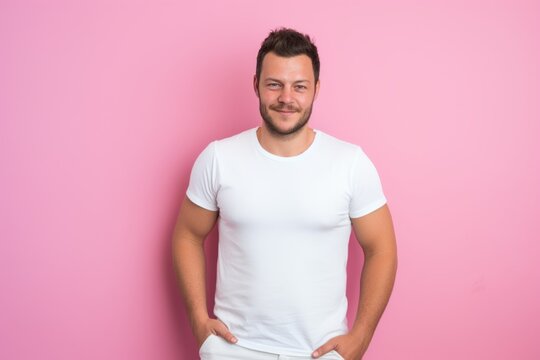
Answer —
190 267
377 281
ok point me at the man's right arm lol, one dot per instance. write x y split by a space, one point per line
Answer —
192 226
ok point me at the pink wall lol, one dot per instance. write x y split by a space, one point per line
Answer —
105 105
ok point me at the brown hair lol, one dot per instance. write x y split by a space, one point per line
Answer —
287 42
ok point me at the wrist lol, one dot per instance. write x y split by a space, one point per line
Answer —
361 333
198 319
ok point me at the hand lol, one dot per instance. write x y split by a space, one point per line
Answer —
349 346
213 326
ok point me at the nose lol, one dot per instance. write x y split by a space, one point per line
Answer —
285 95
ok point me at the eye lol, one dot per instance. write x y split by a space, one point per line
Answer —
273 85
301 87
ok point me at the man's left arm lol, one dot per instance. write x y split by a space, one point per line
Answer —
375 233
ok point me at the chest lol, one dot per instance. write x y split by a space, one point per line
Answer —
315 196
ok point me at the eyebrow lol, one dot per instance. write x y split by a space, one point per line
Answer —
279 81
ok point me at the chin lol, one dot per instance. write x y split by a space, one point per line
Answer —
278 125
287 130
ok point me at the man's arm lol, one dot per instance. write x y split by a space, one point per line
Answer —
375 233
192 226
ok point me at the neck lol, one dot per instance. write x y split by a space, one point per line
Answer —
285 145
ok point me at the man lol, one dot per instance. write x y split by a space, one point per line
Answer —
286 197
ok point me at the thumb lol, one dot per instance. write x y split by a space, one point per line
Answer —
224 332
323 349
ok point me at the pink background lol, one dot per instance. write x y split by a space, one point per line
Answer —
104 106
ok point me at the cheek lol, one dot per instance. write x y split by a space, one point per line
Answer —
268 98
304 102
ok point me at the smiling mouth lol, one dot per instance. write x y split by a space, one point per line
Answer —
285 111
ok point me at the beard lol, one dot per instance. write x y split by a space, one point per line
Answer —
271 125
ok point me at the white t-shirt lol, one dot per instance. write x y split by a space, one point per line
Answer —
284 226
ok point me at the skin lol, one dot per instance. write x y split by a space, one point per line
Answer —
375 234
286 92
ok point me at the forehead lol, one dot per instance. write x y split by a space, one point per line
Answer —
294 67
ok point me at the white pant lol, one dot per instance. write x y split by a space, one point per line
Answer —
217 348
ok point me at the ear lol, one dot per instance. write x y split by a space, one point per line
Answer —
255 85
317 86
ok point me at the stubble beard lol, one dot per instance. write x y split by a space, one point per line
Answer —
269 121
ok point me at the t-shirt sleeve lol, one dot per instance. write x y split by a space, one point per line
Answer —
367 191
203 181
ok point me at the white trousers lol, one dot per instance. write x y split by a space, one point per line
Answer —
217 348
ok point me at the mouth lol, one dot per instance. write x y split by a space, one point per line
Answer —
285 111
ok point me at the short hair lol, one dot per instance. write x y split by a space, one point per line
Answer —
287 42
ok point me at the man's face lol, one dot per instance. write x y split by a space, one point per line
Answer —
286 92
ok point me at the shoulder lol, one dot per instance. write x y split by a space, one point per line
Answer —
339 147
239 139
230 147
